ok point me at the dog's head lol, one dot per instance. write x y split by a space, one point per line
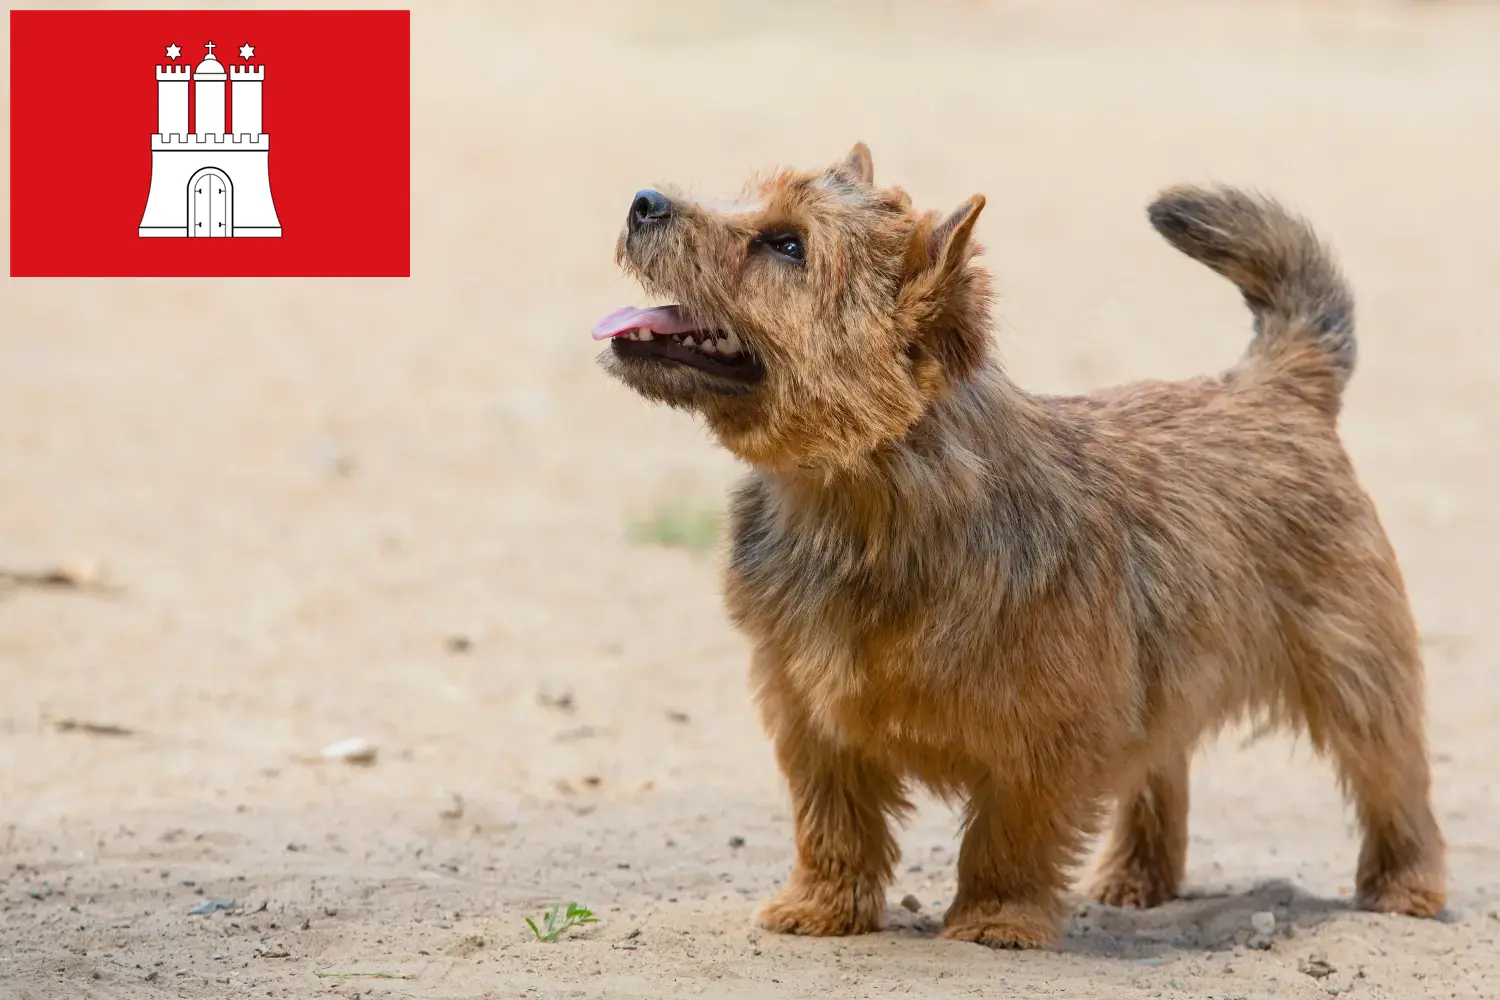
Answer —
813 320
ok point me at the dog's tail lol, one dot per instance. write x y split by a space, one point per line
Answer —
1304 311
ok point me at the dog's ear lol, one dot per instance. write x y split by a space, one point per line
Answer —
943 302
857 166
948 243
942 248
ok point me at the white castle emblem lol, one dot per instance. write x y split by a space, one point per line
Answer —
212 181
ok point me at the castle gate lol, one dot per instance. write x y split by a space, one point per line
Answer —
210 203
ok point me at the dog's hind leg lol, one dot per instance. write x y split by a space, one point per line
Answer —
1361 688
1144 862
1383 768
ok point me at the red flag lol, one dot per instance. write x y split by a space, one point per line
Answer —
283 136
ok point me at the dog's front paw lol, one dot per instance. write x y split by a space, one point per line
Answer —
1414 895
823 909
1135 888
1005 925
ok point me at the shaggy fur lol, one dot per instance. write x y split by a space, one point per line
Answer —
1034 605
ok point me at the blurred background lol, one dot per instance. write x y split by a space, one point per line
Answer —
411 523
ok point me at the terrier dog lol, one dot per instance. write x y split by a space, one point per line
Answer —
1029 604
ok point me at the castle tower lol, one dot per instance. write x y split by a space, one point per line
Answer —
172 99
210 182
244 82
208 95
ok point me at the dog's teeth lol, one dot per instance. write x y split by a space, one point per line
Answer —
643 335
710 346
688 341
732 343
633 335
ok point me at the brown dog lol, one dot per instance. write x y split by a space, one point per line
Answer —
1032 603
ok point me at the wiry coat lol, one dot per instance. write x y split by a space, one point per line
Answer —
1036 604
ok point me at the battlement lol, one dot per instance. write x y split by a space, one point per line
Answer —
225 143
174 74
247 74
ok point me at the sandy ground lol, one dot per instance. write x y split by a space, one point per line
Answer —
403 511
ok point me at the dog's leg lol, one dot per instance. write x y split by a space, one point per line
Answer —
1019 842
1144 863
843 803
1360 687
1384 769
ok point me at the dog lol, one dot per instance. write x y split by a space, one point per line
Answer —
1033 605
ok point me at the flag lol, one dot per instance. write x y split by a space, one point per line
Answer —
221 143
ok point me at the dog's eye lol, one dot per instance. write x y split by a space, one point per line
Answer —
788 245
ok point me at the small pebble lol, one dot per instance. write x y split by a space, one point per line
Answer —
555 695
1316 966
354 750
211 906
912 903
1263 927
736 841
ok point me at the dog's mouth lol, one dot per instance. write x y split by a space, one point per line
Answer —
664 335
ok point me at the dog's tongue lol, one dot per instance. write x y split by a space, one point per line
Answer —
657 319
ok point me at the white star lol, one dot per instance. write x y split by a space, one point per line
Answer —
174 50
247 50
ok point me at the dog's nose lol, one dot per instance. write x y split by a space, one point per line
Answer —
649 208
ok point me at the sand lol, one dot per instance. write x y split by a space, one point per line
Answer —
410 512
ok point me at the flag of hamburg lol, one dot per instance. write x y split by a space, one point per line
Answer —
210 143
